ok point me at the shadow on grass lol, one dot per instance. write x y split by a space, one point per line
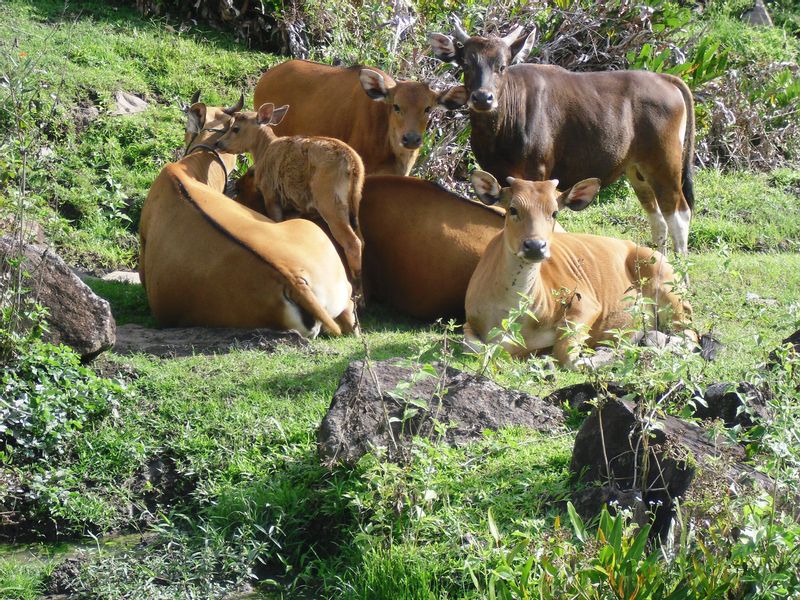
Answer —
124 17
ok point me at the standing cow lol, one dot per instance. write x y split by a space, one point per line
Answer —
543 122
382 119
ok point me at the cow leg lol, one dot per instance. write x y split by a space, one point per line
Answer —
335 212
347 320
578 322
665 180
272 205
647 198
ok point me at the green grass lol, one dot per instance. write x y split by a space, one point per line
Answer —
237 431
89 192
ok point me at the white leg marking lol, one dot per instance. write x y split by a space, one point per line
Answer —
658 227
678 224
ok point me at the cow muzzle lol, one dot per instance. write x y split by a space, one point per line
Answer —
411 140
482 100
534 250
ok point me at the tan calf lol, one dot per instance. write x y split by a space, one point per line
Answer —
579 285
206 260
313 175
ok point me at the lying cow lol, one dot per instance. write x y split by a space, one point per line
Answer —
312 175
541 121
422 244
206 260
579 285
382 119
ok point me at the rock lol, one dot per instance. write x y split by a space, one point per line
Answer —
734 405
32 232
758 15
128 104
579 397
608 450
77 317
64 577
367 411
123 277
793 341
188 341
709 347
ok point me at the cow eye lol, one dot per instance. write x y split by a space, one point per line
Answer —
512 211
396 108
427 109
235 129
502 68
555 214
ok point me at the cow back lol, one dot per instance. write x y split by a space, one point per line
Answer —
327 101
422 244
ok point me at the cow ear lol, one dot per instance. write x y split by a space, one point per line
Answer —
486 187
195 117
520 53
455 97
580 195
278 114
444 47
264 115
375 84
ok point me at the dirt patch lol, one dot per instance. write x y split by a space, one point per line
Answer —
188 341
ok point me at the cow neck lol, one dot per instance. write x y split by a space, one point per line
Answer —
209 167
264 138
508 119
522 277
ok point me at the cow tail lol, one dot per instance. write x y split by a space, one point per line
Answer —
302 295
687 171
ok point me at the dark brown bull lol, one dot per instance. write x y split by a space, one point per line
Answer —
542 122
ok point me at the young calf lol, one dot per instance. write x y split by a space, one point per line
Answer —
579 285
309 174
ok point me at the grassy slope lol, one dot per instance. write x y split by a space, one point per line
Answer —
240 428
89 193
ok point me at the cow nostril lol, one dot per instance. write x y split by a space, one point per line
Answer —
412 139
534 245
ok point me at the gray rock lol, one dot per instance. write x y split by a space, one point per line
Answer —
123 277
128 104
608 449
367 411
188 341
32 232
77 317
588 503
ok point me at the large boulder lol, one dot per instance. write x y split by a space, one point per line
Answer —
383 405
610 450
77 317
741 404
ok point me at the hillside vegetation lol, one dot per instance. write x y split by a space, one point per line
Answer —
244 500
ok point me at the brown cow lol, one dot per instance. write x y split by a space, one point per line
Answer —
380 118
206 260
541 121
422 244
579 286
312 175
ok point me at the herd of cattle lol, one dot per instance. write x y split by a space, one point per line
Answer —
332 148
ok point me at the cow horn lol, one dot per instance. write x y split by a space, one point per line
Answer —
461 35
513 35
195 97
236 107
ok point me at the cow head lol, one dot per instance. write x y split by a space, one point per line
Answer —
206 124
244 131
483 59
410 104
531 209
